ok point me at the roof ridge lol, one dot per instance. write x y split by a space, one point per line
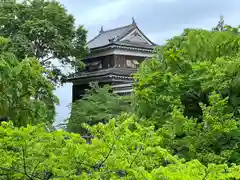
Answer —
121 27
126 32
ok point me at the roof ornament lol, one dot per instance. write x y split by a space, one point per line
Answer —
111 39
133 21
101 30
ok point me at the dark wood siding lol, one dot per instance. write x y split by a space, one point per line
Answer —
114 60
121 60
78 91
107 61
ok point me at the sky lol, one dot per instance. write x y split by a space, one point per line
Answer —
158 19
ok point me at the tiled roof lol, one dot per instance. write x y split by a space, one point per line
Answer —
134 44
103 38
113 36
109 71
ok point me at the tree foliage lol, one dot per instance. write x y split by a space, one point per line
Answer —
43 29
99 104
26 95
185 70
184 123
126 151
214 140
190 91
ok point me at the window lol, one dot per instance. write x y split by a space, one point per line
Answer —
132 63
136 63
95 65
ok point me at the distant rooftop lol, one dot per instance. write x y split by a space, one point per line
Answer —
115 36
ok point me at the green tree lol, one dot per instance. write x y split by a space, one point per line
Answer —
26 95
99 104
180 79
43 29
221 26
214 140
124 151
185 71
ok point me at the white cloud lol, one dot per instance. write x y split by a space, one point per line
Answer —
161 36
106 12
111 10
165 1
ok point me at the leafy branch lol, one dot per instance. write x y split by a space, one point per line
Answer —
140 149
107 156
18 171
24 162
